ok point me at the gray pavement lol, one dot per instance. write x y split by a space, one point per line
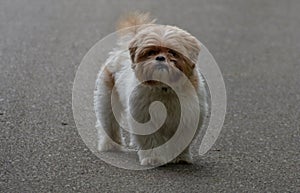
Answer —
256 44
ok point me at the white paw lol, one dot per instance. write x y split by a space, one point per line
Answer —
183 159
152 161
107 145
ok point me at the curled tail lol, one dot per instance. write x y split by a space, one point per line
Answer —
133 22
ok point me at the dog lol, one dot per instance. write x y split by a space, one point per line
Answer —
149 61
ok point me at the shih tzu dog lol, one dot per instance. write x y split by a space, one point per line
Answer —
151 63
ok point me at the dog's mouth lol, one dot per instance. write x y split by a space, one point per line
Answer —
152 83
165 72
162 76
157 72
158 84
160 66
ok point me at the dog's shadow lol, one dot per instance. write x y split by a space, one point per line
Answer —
198 168
129 160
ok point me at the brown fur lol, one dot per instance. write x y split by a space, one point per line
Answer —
108 78
162 40
144 64
145 42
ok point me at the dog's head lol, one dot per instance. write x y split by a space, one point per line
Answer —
163 53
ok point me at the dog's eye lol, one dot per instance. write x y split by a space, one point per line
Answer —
152 52
174 61
173 53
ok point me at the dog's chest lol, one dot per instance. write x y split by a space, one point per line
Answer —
159 106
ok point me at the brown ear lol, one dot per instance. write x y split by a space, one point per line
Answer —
132 52
193 65
194 50
132 49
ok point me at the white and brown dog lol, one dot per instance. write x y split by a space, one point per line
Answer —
137 73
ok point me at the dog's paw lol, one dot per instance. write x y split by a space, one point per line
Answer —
152 161
105 145
183 159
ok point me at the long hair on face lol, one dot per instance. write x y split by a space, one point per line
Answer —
178 48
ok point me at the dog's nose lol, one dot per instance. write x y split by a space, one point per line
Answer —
160 58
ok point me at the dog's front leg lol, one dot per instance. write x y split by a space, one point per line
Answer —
109 136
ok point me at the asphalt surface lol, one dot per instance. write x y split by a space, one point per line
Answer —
256 44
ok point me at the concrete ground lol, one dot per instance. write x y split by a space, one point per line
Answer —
256 44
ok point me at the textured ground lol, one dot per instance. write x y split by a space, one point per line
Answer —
256 44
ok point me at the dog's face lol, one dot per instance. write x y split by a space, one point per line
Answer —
163 53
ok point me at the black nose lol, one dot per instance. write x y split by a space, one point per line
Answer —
160 58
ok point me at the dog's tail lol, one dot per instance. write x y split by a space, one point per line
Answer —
133 21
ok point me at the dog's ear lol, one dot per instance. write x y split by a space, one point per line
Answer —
132 50
194 50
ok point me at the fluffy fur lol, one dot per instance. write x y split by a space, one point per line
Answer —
145 52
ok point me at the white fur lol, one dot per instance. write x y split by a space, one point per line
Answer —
119 64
